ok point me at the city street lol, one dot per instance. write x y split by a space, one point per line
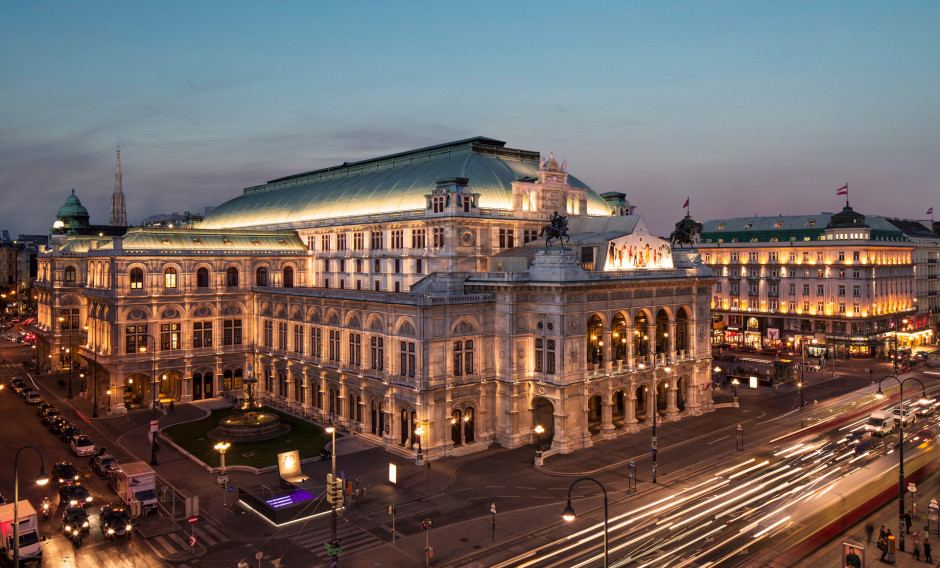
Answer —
456 493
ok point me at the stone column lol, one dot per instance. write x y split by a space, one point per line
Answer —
607 420
629 410
672 411
607 351
631 356
671 356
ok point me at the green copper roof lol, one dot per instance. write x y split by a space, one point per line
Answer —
148 240
783 227
72 208
398 182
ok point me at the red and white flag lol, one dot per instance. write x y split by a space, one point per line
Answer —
844 190
930 211
686 204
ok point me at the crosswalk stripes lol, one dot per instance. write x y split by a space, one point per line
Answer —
352 539
206 536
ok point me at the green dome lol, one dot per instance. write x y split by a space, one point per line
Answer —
72 213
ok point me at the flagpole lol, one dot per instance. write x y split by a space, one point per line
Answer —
846 195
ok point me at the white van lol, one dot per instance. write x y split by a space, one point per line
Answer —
880 423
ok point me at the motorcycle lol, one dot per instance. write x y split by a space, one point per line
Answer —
46 509
76 538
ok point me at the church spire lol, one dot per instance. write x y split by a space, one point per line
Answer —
118 210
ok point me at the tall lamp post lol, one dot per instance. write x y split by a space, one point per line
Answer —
223 478
332 431
538 444
569 515
41 479
68 351
880 394
419 460
654 443
153 396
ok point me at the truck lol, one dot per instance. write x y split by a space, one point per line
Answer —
880 423
136 484
30 543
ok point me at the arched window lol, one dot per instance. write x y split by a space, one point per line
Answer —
169 278
261 276
70 274
288 277
202 278
232 277
137 278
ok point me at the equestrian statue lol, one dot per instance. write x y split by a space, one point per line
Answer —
557 230
685 232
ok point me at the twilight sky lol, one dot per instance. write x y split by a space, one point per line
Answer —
748 107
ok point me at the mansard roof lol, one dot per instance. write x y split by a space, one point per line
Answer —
397 182
785 227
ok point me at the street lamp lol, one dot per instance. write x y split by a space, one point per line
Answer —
41 479
332 431
419 460
734 388
800 385
67 351
109 401
881 394
569 515
538 443
223 479
153 396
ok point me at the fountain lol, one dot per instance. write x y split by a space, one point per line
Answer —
248 423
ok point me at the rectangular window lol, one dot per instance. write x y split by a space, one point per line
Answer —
358 241
341 241
334 345
135 338
792 258
718 287
841 255
774 305
355 349
772 256
397 266
282 335
417 238
378 353
170 336
299 338
793 289
316 342
358 265
753 257
407 363
841 308
819 257
506 238
820 307
232 332
734 257
841 290
792 306
550 357
325 242
468 357
437 204
539 354
458 358
268 334
855 256
398 239
419 266
377 240
855 274
806 289
820 290
202 334
438 234
857 291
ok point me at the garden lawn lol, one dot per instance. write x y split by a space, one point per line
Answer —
308 438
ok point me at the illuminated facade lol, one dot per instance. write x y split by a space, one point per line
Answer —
407 291
844 280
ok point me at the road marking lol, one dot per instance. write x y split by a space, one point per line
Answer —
718 440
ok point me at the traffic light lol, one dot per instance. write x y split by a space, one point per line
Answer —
334 490
424 525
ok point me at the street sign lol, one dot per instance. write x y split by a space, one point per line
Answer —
334 563
192 520
331 550
154 425
192 540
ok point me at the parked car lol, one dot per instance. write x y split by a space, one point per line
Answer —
64 473
114 520
68 432
104 464
57 424
50 415
34 398
43 407
19 387
75 494
82 446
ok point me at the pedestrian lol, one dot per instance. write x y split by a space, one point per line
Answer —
869 530
907 522
915 538
883 545
881 532
927 557
171 405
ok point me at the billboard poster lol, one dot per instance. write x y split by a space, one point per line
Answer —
638 250
853 555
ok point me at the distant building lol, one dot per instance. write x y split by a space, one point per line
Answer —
840 283
926 243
